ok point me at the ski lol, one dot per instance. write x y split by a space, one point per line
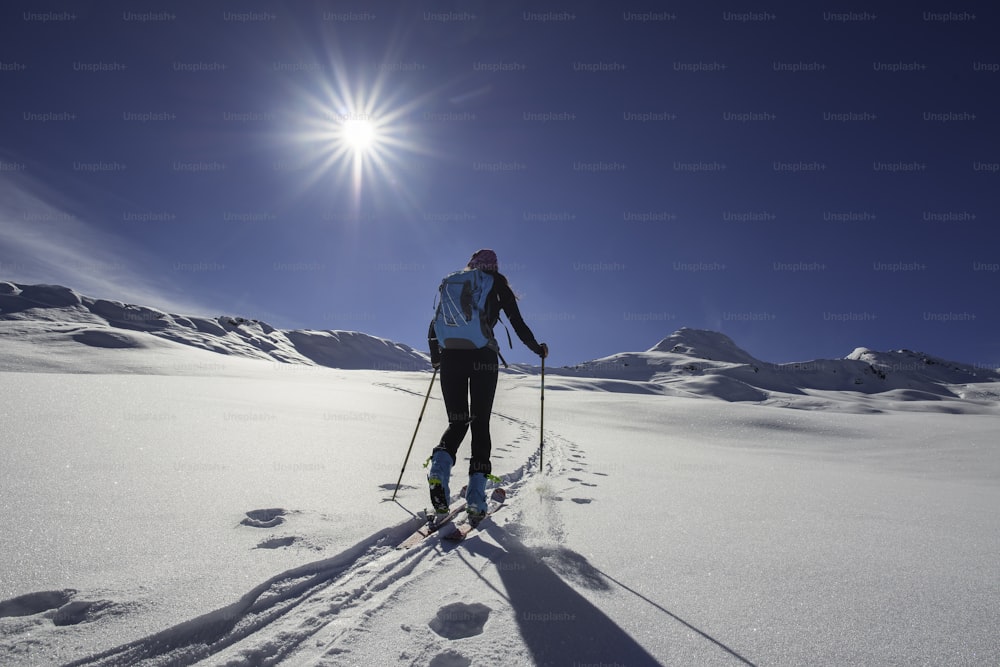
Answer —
460 531
434 521
433 524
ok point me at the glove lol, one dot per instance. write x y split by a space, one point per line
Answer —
436 365
545 350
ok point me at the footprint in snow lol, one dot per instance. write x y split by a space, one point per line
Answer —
459 620
266 518
61 607
79 611
449 659
35 603
582 501
391 486
277 542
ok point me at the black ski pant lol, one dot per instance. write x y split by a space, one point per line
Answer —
469 384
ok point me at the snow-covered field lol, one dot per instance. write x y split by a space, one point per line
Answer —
181 490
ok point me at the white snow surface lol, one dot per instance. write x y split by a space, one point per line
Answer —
180 491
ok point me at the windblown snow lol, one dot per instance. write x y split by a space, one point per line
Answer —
190 490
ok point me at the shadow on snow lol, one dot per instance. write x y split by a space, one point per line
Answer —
557 623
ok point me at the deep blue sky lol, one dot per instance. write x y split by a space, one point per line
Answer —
805 180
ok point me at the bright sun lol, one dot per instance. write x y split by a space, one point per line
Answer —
359 134
355 133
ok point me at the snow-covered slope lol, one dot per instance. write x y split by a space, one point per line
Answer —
225 509
243 519
52 328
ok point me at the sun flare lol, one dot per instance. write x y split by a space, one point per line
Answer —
350 134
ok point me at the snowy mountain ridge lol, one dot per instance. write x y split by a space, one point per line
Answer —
54 328
66 322
715 346
694 362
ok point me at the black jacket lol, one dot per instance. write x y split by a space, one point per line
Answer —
500 298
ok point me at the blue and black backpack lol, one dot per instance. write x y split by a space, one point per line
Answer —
461 319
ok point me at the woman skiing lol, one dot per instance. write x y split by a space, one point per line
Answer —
468 383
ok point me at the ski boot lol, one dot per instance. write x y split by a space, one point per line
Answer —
475 498
437 480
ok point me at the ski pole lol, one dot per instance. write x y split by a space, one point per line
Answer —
541 423
414 438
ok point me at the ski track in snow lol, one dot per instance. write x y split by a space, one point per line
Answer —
304 614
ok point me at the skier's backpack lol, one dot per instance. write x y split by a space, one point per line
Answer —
461 320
